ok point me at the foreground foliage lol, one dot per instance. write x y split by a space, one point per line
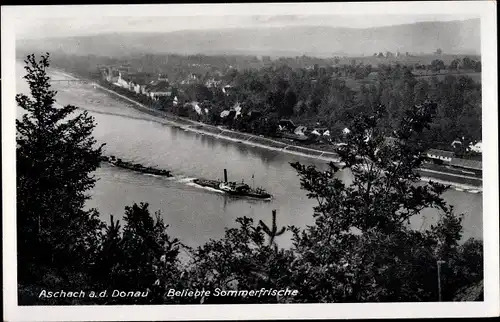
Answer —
56 155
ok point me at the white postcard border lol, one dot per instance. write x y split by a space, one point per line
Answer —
490 307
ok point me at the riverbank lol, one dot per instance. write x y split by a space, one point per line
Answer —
219 132
465 183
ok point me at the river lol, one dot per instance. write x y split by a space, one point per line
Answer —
196 215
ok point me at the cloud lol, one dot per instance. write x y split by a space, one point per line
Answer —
77 26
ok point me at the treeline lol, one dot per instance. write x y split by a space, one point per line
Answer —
178 67
458 98
320 97
63 246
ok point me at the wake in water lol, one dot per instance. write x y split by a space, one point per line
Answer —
185 179
192 184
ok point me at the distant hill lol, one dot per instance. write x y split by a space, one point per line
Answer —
453 37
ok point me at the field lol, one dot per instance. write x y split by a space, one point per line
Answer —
475 76
355 84
405 60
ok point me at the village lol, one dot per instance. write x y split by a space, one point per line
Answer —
156 87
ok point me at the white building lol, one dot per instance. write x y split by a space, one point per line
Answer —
121 81
440 155
300 130
155 90
478 147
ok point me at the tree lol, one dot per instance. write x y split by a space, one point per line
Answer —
355 244
56 155
454 64
468 63
198 92
477 68
459 110
241 260
272 232
437 65
421 91
468 264
439 51
143 257
289 101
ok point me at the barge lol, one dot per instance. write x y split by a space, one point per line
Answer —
234 188
135 166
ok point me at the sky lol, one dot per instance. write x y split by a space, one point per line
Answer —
49 26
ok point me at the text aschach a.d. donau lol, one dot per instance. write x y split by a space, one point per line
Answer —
91 294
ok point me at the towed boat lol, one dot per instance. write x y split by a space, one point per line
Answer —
233 188
135 166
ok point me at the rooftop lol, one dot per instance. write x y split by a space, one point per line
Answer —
161 86
140 78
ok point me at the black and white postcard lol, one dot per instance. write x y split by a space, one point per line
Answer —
250 161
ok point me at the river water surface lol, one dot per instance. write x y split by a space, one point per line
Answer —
196 215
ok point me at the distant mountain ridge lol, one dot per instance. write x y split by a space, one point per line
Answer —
453 37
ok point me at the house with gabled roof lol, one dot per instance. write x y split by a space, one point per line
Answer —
162 77
112 76
122 79
212 83
138 81
286 125
228 89
440 155
157 89
123 69
477 147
